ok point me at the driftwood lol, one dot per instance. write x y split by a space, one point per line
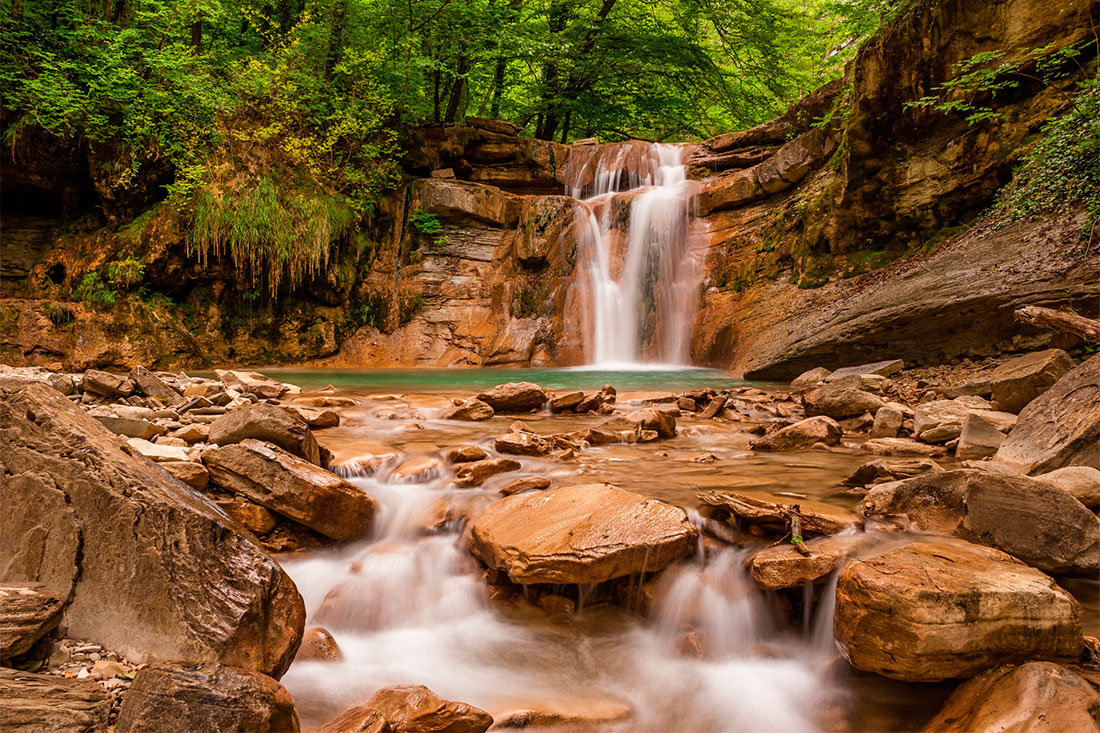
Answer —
1048 318
827 520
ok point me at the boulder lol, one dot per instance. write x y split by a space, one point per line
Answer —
571 715
802 434
476 472
1060 427
1018 381
649 418
465 454
1035 696
131 427
888 421
838 401
292 487
775 515
941 420
107 385
565 402
714 407
979 438
151 385
205 698
416 468
977 385
880 470
268 423
316 418
1044 526
193 433
931 611
521 443
580 534
810 378
783 566
879 368
527 483
28 611
37 703
411 709
158 452
594 401
472 410
902 447
136 552
191 473
256 519
255 383
515 397
319 646
1081 481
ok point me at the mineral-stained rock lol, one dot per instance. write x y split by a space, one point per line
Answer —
28 611
815 517
882 470
1035 696
252 383
937 610
514 397
270 423
1042 525
205 698
151 385
38 702
1081 481
1018 381
105 384
138 552
318 645
802 434
783 566
1060 427
472 410
292 487
411 708
580 534
978 439
838 401
191 473
475 473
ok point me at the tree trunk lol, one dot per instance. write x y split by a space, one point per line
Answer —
456 88
196 35
336 39
565 126
1053 320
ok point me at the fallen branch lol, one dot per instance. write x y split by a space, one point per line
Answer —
1064 321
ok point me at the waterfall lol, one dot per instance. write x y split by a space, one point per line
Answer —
640 294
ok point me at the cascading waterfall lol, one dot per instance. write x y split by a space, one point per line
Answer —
640 294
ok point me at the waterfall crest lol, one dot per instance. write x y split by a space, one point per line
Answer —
639 264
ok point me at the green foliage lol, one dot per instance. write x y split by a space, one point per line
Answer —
94 292
1062 170
125 273
428 224
58 314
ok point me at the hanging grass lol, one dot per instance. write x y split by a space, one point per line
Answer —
272 232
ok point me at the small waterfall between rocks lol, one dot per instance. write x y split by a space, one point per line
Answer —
640 265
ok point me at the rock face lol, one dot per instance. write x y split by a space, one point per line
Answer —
295 488
934 610
580 534
803 434
1018 381
514 397
1032 697
135 552
1060 427
412 708
1044 526
28 611
38 702
270 423
205 698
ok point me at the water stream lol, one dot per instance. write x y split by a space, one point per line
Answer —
640 262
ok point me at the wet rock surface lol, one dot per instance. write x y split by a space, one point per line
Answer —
412 708
268 423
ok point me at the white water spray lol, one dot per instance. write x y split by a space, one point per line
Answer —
640 295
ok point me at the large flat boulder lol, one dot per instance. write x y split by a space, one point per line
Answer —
840 400
205 698
802 434
34 703
27 612
580 534
1036 696
151 385
1060 427
932 611
150 568
784 566
1018 381
292 487
515 397
270 423
1043 525
411 708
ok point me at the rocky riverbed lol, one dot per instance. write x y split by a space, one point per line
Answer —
853 550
